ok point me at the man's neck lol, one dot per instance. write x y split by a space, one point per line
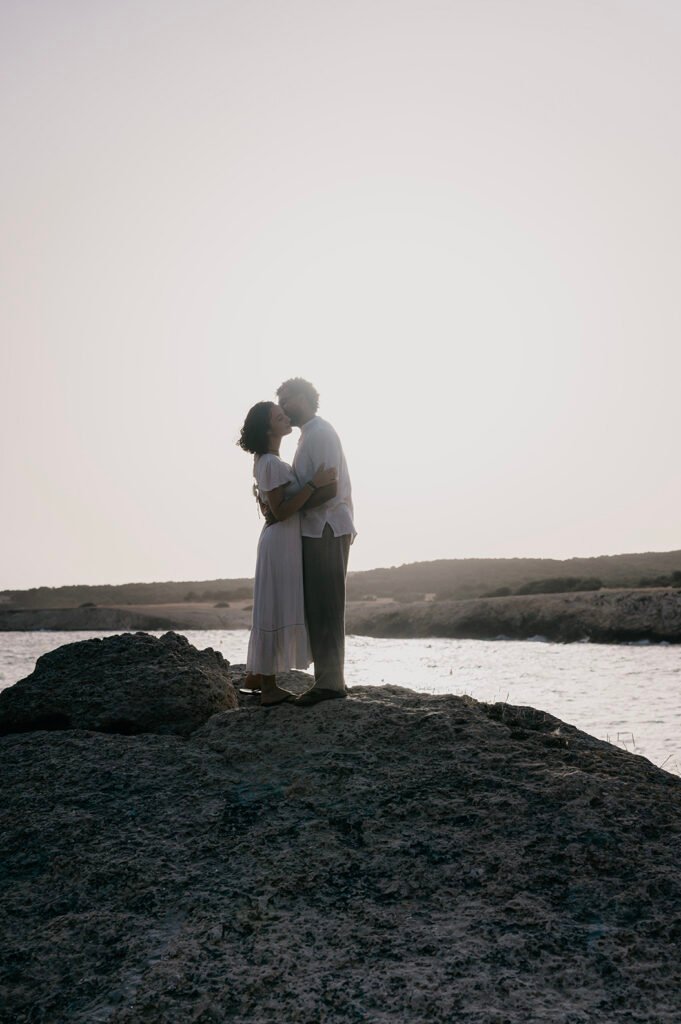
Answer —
308 420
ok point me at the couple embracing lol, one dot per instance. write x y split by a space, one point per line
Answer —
302 560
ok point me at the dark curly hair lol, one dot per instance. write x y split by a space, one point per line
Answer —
254 433
301 387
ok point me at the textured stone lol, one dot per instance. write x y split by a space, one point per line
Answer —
129 684
391 857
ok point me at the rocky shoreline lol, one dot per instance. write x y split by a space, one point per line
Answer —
606 616
392 857
82 619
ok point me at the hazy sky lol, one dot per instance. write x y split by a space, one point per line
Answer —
461 220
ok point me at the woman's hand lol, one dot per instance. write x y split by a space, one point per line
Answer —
323 476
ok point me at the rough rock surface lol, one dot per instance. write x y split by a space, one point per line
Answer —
128 684
391 857
609 616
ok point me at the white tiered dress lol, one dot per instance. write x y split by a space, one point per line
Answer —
279 639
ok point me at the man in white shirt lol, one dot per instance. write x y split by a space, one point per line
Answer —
328 531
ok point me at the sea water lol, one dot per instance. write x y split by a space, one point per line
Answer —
629 694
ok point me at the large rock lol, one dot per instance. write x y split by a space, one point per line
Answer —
393 857
131 683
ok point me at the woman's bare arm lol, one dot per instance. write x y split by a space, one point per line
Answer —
322 495
283 508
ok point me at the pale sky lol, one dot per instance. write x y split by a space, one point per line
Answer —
461 220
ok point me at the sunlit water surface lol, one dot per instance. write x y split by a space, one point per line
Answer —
627 694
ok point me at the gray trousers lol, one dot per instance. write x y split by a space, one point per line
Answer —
325 566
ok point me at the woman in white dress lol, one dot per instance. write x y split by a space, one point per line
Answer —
279 639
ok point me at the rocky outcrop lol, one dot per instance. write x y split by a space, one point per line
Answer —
608 616
390 857
129 684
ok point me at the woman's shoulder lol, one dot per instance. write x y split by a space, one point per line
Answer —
269 459
260 464
271 471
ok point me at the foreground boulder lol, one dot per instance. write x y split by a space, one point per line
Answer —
128 684
391 857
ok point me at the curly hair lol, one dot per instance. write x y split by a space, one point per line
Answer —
254 433
301 387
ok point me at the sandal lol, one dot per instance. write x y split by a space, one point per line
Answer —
275 703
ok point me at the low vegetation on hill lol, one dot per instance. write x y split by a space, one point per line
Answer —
446 579
128 593
457 579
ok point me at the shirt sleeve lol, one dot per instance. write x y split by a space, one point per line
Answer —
272 472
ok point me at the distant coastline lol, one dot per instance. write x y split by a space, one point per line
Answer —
608 599
605 616
442 580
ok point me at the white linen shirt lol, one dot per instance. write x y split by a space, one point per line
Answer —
319 443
